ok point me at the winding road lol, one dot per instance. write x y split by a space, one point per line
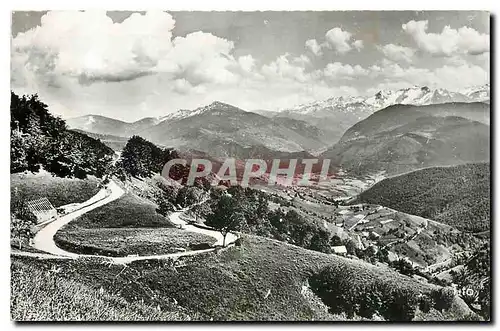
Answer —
44 239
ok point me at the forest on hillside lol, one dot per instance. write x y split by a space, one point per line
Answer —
458 196
41 140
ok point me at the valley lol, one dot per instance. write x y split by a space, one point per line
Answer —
396 220
266 166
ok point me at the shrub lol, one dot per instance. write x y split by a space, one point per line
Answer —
443 298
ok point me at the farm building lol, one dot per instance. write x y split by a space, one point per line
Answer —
345 211
42 209
386 221
339 250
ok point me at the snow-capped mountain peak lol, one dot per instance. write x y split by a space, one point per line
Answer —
416 95
479 93
184 113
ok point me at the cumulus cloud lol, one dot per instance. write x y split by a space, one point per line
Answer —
127 68
200 58
302 60
338 40
284 68
397 53
112 52
335 39
137 68
314 47
358 44
344 71
452 77
450 41
247 63
101 50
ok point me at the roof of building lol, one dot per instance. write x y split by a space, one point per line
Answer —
387 221
339 249
40 205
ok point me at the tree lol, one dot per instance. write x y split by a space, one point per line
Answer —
336 241
22 219
39 139
201 210
485 300
141 158
164 206
320 241
383 255
350 246
226 217
443 298
404 267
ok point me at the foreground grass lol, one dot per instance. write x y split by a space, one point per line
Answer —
261 280
40 293
127 241
59 191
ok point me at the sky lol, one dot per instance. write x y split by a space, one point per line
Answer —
129 65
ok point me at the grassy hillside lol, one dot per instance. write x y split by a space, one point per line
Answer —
261 280
59 191
129 225
123 242
458 196
129 211
402 138
41 293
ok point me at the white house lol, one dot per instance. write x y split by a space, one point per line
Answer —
386 221
42 209
339 250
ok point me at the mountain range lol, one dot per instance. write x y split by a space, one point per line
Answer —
402 138
408 96
337 114
223 130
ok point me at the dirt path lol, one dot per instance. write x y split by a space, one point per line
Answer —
175 218
44 239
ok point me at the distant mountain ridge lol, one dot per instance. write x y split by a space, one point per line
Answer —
335 115
109 126
402 138
382 99
226 130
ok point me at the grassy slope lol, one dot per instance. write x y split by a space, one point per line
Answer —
129 211
458 196
129 225
59 191
123 242
41 295
234 284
